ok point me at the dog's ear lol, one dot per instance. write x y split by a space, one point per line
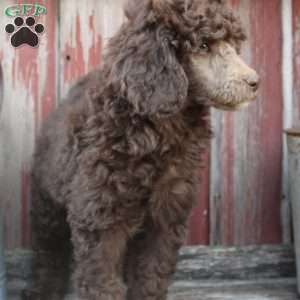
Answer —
148 74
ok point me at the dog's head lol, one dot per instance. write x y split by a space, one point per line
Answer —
170 47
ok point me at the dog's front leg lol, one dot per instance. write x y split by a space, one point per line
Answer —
154 257
99 258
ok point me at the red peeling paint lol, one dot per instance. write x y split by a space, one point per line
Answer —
26 73
260 210
73 56
228 179
48 98
199 221
234 3
25 63
264 227
75 64
26 69
95 50
250 196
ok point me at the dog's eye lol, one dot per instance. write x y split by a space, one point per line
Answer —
204 47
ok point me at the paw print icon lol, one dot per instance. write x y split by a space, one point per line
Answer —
24 32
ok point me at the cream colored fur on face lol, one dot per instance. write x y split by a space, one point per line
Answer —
225 76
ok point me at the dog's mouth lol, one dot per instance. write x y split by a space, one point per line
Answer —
233 106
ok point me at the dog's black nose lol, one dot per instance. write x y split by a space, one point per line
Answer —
253 81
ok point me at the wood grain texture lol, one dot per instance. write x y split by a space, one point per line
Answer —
275 289
252 273
29 87
246 153
201 263
199 220
245 263
225 150
240 196
296 62
288 111
84 30
280 289
33 81
293 142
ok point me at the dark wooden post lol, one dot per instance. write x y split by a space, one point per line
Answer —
293 141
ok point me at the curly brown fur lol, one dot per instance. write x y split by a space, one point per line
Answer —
116 165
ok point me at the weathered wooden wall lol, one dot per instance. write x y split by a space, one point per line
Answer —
246 155
34 81
242 183
29 92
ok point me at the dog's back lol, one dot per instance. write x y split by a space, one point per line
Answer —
53 162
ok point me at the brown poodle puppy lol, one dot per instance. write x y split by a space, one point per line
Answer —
116 166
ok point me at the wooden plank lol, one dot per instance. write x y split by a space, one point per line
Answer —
293 141
265 16
246 154
84 30
202 263
199 221
247 263
296 61
29 87
206 271
280 289
287 84
223 159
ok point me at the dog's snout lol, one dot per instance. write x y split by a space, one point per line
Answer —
253 81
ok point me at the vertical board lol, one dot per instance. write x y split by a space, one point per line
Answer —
247 151
199 221
287 85
84 30
296 61
29 86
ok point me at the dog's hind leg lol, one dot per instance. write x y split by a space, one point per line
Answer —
52 247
